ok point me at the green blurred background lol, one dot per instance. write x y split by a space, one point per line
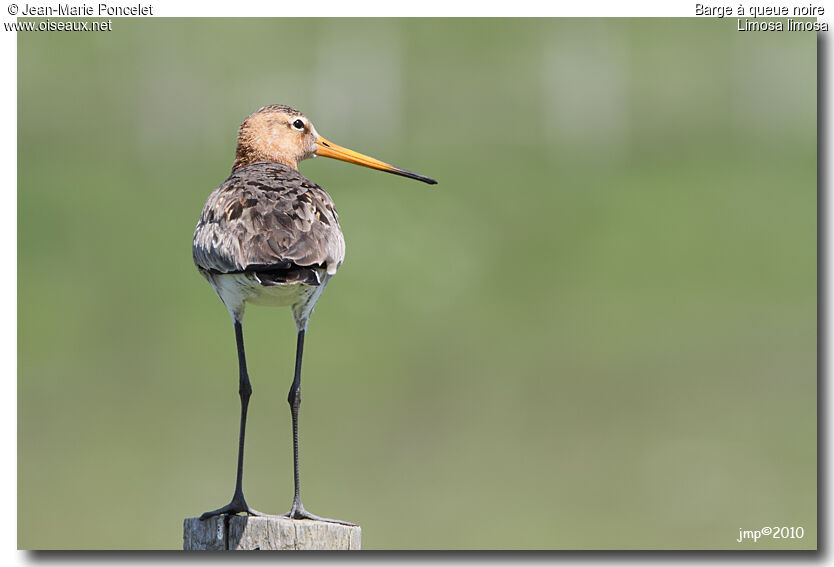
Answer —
598 331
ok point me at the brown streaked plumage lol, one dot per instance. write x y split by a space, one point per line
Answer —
269 236
268 214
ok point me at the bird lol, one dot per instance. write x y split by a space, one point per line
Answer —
269 236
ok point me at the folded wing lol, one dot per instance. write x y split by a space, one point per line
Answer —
268 219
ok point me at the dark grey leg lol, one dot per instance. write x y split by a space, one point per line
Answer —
238 503
297 512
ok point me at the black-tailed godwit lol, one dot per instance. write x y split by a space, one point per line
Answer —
269 236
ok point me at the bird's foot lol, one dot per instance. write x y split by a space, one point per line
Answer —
237 506
297 512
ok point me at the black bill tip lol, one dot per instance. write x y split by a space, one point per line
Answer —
412 175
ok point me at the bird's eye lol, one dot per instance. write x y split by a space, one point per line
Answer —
298 124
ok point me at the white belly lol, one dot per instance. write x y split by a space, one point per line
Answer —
278 295
237 289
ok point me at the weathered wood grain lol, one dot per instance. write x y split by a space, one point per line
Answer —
267 533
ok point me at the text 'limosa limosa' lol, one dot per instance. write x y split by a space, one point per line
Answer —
269 236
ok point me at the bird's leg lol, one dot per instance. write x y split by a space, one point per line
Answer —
238 503
297 511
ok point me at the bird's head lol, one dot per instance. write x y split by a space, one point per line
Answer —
281 134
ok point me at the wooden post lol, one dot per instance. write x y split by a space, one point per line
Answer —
267 533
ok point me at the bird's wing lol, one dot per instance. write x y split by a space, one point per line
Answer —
268 217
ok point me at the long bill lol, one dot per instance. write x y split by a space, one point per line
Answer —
329 149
